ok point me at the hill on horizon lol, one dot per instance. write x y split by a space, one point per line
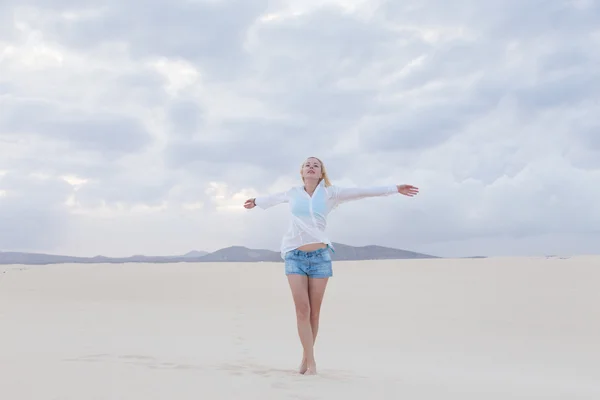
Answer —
227 254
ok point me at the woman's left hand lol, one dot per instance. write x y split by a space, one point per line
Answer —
407 190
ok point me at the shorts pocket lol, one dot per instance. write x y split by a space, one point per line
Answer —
326 256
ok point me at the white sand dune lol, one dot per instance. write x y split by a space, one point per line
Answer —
485 329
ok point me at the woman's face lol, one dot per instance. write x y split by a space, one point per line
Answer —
311 169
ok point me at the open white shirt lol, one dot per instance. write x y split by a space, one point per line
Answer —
308 214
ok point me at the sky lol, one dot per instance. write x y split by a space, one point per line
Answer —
141 127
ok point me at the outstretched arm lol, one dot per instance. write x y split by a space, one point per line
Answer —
267 201
347 194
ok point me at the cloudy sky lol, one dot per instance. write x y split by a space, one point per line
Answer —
140 127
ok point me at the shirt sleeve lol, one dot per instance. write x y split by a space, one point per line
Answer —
271 200
342 194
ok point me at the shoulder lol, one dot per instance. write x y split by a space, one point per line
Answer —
332 190
292 191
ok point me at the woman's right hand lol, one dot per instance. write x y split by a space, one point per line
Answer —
250 203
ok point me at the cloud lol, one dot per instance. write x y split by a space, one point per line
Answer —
207 33
186 118
151 128
32 211
108 134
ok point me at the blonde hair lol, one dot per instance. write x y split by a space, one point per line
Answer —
323 171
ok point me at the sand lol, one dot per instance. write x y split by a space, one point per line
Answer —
498 328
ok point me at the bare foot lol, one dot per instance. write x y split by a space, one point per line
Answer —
303 366
311 369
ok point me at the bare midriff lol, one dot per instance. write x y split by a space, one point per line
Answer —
312 246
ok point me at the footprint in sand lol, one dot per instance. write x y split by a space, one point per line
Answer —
153 363
239 340
91 358
134 359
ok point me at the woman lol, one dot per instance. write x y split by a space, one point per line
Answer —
305 245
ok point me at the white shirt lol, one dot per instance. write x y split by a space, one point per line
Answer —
308 214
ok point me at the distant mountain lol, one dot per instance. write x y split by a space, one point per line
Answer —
37 258
40 258
195 253
242 254
228 254
372 252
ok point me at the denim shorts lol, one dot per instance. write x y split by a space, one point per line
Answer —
314 264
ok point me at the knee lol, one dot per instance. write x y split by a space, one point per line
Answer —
314 316
303 311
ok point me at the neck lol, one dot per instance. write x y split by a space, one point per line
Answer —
310 185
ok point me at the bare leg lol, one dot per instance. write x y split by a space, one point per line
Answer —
299 287
316 291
